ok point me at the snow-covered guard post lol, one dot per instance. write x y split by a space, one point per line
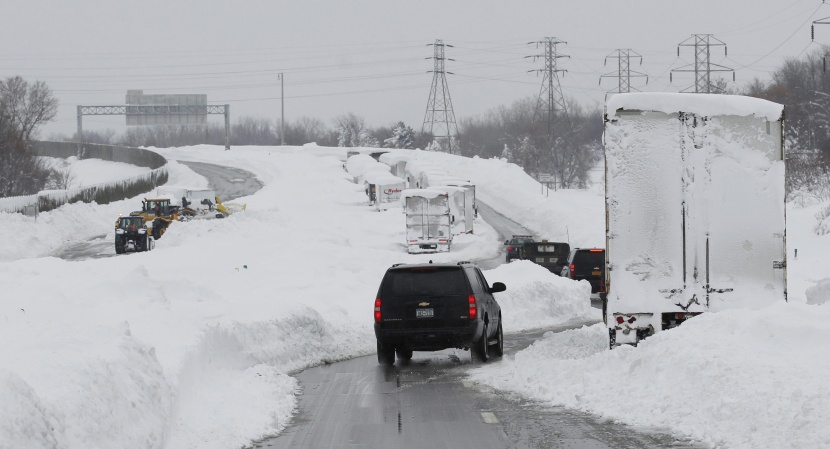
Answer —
695 211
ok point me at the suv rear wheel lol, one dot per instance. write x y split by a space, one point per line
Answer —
498 347
386 354
481 348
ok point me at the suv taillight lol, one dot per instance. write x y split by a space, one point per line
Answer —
510 248
377 310
473 309
573 267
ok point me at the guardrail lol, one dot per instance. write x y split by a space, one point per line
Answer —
102 193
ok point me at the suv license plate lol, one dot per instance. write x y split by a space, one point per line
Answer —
595 273
540 260
424 313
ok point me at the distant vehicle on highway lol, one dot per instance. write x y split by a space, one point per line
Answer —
513 245
436 306
587 264
551 255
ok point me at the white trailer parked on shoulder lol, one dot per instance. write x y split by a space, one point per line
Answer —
695 212
433 216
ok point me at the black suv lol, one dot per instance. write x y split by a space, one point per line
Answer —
514 246
435 306
588 264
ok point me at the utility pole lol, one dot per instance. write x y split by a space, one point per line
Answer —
550 101
702 67
282 109
623 73
440 115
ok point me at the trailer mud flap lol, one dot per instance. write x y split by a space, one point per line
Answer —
629 329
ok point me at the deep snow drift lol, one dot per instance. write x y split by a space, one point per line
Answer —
191 345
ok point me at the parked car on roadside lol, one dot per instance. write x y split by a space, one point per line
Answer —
436 306
587 264
513 246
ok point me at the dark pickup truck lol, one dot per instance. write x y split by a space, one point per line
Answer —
551 255
430 307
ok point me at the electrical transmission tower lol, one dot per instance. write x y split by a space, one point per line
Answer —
624 72
551 101
824 21
440 116
702 66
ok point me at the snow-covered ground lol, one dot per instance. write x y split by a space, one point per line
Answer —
88 172
191 345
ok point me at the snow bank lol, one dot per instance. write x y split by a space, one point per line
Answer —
819 293
537 299
730 379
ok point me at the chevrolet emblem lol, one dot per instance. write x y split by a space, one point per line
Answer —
423 304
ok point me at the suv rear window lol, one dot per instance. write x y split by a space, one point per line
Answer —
424 281
587 261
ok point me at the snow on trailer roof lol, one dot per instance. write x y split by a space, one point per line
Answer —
394 158
360 164
431 192
420 166
381 178
702 104
448 180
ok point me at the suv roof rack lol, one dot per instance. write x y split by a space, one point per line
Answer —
397 264
463 262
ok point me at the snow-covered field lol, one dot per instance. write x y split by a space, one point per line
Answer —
191 345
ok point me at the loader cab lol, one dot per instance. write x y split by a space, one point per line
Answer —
157 207
130 224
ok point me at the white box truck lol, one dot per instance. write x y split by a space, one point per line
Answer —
695 209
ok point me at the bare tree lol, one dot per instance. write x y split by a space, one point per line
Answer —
23 107
61 178
27 105
308 129
352 132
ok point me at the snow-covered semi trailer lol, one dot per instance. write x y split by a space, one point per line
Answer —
695 212
433 216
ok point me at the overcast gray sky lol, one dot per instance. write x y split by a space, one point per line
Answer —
369 56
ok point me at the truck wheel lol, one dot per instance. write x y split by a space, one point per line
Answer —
481 349
404 353
498 347
386 354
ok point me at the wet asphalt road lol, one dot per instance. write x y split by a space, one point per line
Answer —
228 182
428 403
